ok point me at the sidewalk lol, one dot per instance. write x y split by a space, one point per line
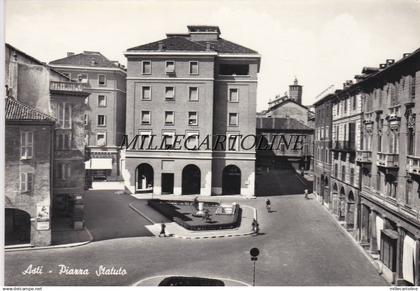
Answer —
62 236
177 231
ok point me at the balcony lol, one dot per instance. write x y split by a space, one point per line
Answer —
364 156
344 146
68 88
387 160
413 165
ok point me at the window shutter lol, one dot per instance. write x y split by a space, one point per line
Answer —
30 181
22 144
60 109
29 143
22 182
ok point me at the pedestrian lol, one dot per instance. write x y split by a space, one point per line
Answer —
255 226
162 229
195 203
306 194
268 204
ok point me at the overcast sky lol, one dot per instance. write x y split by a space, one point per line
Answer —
321 42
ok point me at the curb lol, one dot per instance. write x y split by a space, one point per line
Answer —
354 241
199 237
139 212
70 245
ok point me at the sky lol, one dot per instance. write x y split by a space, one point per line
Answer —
320 42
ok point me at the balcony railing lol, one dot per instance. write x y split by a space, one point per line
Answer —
364 156
68 87
387 160
344 145
413 165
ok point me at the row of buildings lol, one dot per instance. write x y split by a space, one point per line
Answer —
367 163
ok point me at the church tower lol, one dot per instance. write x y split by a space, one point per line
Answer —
295 91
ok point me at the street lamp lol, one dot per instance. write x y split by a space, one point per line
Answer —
254 252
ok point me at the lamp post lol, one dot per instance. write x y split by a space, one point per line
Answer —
254 252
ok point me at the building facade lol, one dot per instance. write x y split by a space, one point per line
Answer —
390 203
346 124
375 168
322 149
35 84
28 174
104 117
197 85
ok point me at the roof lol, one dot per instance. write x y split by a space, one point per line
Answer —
16 110
206 28
280 123
35 60
284 102
86 59
178 42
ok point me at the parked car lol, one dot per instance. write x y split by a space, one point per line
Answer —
190 281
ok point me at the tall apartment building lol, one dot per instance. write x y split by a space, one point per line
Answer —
322 149
195 84
105 109
375 166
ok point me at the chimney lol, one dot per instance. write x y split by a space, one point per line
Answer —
69 54
209 46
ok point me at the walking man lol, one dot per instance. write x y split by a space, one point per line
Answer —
268 204
306 194
162 229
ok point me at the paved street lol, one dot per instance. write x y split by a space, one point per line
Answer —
300 245
280 182
108 216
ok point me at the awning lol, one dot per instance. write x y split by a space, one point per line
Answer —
98 164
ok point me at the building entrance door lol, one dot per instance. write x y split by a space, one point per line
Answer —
167 183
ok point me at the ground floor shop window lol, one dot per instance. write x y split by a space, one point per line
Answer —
388 249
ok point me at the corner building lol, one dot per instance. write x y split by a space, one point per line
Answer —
194 84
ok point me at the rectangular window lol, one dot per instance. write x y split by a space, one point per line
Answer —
101 80
169 118
83 78
101 101
87 100
170 67
193 94
101 120
168 140
233 119
191 140
351 176
144 139
64 113
146 68
169 93
343 173
63 171
233 95
63 141
193 68
192 118
146 93
26 144
26 182
336 170
101 139
233 142
145 117
86 119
